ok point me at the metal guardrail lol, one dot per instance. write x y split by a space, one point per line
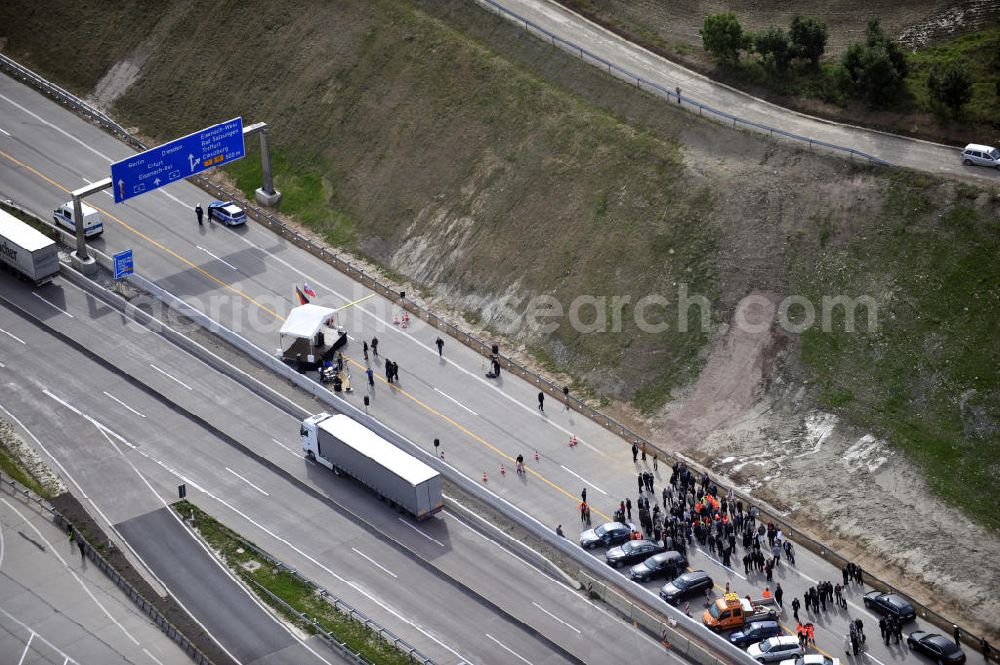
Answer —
622 73
88 550
768 513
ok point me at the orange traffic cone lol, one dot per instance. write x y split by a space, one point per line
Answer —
503 471
484 477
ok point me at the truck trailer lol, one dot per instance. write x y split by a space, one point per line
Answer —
344 445
26 251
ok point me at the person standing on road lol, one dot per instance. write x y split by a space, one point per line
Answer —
566 398
583 494
957 632
635 453
199 213
883 629
628 508
440 346
364 349
375 346
778 594
541 401
984 646
371 377
847 574
559 531
388 370
395 372
795 608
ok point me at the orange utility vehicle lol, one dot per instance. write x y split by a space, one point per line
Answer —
731 612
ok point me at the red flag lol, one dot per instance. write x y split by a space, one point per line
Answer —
308 290
301 296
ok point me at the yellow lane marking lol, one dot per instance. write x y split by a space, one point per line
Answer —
359 300
148 239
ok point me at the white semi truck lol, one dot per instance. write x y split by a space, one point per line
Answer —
344 445
27 251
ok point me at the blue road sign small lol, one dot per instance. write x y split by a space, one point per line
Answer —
178 159
123 263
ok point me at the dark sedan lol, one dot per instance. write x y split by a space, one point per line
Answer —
688 584
632 552
941 649
890 604
659 565
606 535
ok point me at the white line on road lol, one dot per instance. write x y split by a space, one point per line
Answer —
170 377
58 129
151 656
52 305
66 404
216 257
868 655
568 625
27 647
247 481
171 196
43 640
5 132
12 336
124 404
508 649
288 449
374 562
2 365
446 395
421 532
584 480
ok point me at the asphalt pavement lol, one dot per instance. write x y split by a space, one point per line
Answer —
244 278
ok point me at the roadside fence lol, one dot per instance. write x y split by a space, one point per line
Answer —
657 89
397 296
171 631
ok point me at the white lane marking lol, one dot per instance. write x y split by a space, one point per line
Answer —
584 480
216 257
390 610
66 404
171 196
719 563
58 129
151 656
288 449
247 481
2 365
386 326
447 396
72 572
568 625
12 336
421 532
375 563
868 655
170 377
52 305
5 132
508 648
124 404
27 647
44 641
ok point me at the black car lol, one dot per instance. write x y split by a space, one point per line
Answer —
606 535
688 584
941 649
632 552
757 631
658 565
890 604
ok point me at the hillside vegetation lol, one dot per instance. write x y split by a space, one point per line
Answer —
464 154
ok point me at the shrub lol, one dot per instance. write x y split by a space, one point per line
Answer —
723 37
772 45
950 85
807 37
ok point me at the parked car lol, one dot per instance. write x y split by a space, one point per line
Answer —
688 584
755 632
773 649
981 155
227 212
632 552
606 535
939 648
890 604
658 565
812 659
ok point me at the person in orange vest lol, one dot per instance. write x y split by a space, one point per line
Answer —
767 593
811 632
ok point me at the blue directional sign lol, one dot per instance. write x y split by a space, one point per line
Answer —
178 159
123 263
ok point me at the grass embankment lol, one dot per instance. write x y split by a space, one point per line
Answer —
928 377
16 463
299 595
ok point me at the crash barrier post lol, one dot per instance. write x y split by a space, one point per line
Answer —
124 585
552 390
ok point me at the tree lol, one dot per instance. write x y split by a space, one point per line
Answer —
877 67
723 37
875 36
950 85
772 45
807 36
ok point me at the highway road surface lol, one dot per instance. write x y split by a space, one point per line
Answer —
485 598
898 150
244 279
55 608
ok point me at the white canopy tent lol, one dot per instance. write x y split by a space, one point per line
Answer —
304 334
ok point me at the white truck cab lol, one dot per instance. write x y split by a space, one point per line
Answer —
93 221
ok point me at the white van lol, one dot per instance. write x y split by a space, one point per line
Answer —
93 222
981 155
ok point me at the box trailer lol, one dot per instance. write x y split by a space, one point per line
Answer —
344 445
27 251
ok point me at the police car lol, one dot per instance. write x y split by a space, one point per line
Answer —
226 212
